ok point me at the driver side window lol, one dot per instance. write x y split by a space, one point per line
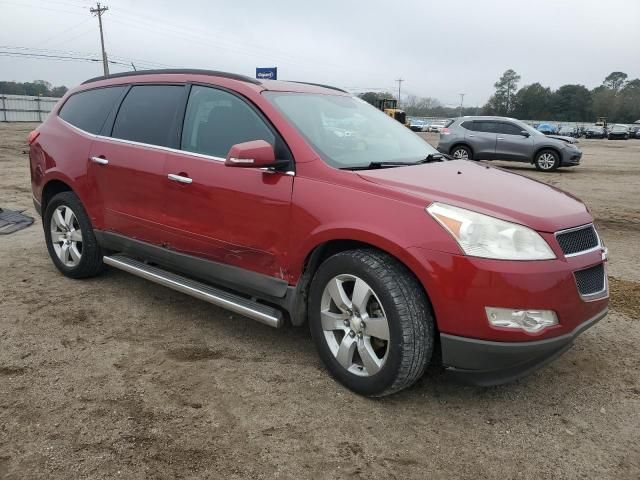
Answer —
216 120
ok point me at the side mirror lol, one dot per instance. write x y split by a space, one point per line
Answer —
524 133
254 154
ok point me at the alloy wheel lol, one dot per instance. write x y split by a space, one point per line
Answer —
546 161
355 325
461 154
66 236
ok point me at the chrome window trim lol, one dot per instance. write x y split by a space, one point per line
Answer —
573 229
157 147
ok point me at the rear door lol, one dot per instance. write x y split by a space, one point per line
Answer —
236 216
482 139
511 144
127 161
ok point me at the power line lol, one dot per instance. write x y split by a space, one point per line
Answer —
99 11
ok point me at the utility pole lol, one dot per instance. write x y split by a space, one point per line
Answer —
461 101
399 80
99 11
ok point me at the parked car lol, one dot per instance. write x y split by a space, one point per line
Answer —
569 131
634 131
437 126
418 125
618 132
501 138
595 132
238 192
547 129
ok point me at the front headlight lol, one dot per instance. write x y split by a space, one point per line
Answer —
483 236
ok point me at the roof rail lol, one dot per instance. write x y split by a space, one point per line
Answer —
192 71
320 85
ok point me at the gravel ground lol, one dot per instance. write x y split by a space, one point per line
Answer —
115 377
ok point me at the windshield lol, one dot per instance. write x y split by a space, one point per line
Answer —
348 132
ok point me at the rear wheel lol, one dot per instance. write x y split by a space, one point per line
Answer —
547 160
370 321
460 152
70 239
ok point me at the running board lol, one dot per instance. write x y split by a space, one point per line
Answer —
235 303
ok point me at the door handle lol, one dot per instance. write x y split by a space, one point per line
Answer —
100 160
500 138
470 135
179 178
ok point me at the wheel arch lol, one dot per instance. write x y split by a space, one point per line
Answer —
53 187
326 249
554 149
461 143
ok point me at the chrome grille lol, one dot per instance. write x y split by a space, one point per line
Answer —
590 281
577 240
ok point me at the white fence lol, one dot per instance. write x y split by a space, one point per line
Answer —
24 108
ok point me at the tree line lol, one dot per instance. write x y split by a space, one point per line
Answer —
617 99
33 89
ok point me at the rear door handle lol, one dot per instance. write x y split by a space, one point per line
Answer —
470 135
179 178
100 160
500 138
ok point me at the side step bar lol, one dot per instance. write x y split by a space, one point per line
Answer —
235 303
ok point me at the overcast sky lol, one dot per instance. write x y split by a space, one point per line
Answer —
441 48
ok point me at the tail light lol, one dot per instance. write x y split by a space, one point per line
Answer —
445 131
32 136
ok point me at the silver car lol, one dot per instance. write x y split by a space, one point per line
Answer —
501 138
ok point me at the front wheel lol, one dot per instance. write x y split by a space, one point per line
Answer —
547 160
371 322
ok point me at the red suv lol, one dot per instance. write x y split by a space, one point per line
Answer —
296 202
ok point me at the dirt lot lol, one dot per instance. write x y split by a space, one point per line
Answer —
118 378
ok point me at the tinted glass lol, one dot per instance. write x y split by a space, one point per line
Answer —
485 126
147 114
468 125
508 129
216 120
88 110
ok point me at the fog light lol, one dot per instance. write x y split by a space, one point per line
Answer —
531 321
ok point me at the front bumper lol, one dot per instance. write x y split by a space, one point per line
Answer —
571 158
486 363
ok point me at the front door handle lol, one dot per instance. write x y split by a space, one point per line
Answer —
470 135
179 178
100 160
500 138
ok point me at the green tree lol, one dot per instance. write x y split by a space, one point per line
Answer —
533 102
572 103
629 102
615 80
502 102
373 97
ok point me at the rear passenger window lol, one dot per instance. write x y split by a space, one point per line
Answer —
148 115
216 120
509 129
88 110
484 126
467 125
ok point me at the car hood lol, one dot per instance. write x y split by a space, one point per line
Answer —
488 190
563 138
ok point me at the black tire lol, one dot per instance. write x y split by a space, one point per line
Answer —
542 160
462 151
90 263
408 312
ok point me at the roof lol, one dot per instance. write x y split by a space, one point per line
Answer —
276 85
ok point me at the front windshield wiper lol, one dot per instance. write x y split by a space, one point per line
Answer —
432 157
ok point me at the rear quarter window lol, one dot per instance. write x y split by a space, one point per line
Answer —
468 125
88 110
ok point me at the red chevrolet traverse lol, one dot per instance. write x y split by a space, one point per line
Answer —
294 202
